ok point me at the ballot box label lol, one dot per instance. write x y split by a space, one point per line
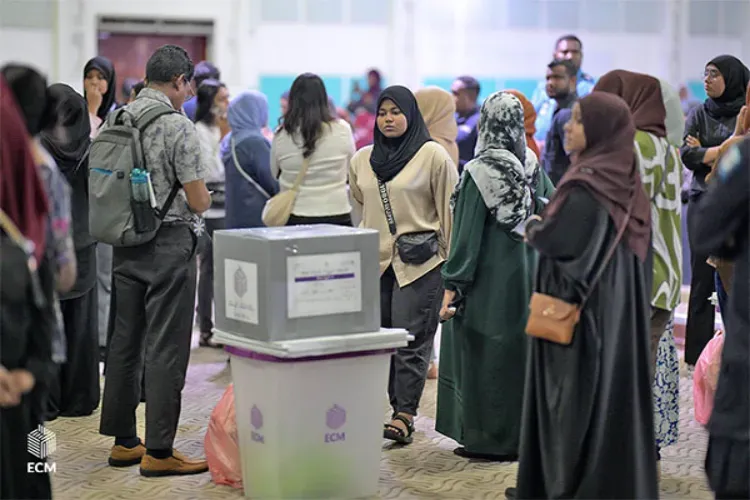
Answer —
241 294
322 285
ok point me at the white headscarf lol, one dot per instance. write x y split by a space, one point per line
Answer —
675 121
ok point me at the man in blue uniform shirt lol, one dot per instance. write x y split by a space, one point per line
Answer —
568 47
466 91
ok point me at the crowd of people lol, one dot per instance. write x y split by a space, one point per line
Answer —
545 233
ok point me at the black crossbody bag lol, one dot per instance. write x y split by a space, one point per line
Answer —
413 248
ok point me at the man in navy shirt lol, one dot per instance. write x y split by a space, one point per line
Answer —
466 93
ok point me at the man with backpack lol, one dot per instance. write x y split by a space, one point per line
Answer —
146 193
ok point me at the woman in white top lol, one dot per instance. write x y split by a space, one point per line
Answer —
213 102
310 134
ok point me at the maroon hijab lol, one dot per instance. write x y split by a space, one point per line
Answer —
607 169
642 93
22 194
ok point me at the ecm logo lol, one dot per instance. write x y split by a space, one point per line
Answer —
41 443
335 420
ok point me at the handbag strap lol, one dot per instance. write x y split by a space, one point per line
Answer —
301 174
244 174
13 232
610 253
387 207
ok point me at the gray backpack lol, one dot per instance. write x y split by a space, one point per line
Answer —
115 216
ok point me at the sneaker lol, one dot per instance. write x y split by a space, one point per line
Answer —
176 465
125 457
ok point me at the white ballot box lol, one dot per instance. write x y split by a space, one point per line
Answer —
287 283
310 413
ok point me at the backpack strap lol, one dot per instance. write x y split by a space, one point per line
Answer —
142 123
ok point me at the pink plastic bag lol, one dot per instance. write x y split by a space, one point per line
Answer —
221 443
706 377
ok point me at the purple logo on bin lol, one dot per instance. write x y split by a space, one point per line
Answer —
240 282
256 417
335 417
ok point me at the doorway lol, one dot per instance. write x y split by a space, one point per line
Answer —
129 44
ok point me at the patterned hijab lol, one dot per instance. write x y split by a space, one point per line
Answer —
503 168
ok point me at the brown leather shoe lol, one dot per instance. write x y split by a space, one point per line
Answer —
125 457
176 465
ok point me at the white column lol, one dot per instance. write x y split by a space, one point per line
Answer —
403 66
677 25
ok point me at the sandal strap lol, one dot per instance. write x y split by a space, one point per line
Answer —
396 429
408 423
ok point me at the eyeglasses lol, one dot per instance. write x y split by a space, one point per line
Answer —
711 74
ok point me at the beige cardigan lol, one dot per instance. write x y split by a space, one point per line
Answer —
420 199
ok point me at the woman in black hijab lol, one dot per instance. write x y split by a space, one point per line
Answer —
707 127
99 89
76 392
414 177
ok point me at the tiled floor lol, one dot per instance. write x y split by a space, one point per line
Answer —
426 470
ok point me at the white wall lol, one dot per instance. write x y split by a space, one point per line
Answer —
435 38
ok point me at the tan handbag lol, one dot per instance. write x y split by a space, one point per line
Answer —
554 319
278 209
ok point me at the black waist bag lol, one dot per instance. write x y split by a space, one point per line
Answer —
413 248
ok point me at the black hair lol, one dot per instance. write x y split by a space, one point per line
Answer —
127 86
205 97
471 84
308 110
167 63
138 87
29 88
569 38
570 68
376 74
204 70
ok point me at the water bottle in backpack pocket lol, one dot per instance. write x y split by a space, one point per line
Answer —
144 216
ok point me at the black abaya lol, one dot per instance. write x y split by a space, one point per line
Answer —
587 428
722 229
27 326
77 392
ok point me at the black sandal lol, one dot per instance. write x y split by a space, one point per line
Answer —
397 434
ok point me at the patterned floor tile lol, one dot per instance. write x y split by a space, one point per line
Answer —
426 470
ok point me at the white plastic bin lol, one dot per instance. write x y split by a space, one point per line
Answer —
310 413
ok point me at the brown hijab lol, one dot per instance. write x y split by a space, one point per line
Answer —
607 169
529 121
642 93
438 110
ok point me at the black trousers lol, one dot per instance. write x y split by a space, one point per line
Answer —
206 276
701 312
155 303
415 307
338 220
76 392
